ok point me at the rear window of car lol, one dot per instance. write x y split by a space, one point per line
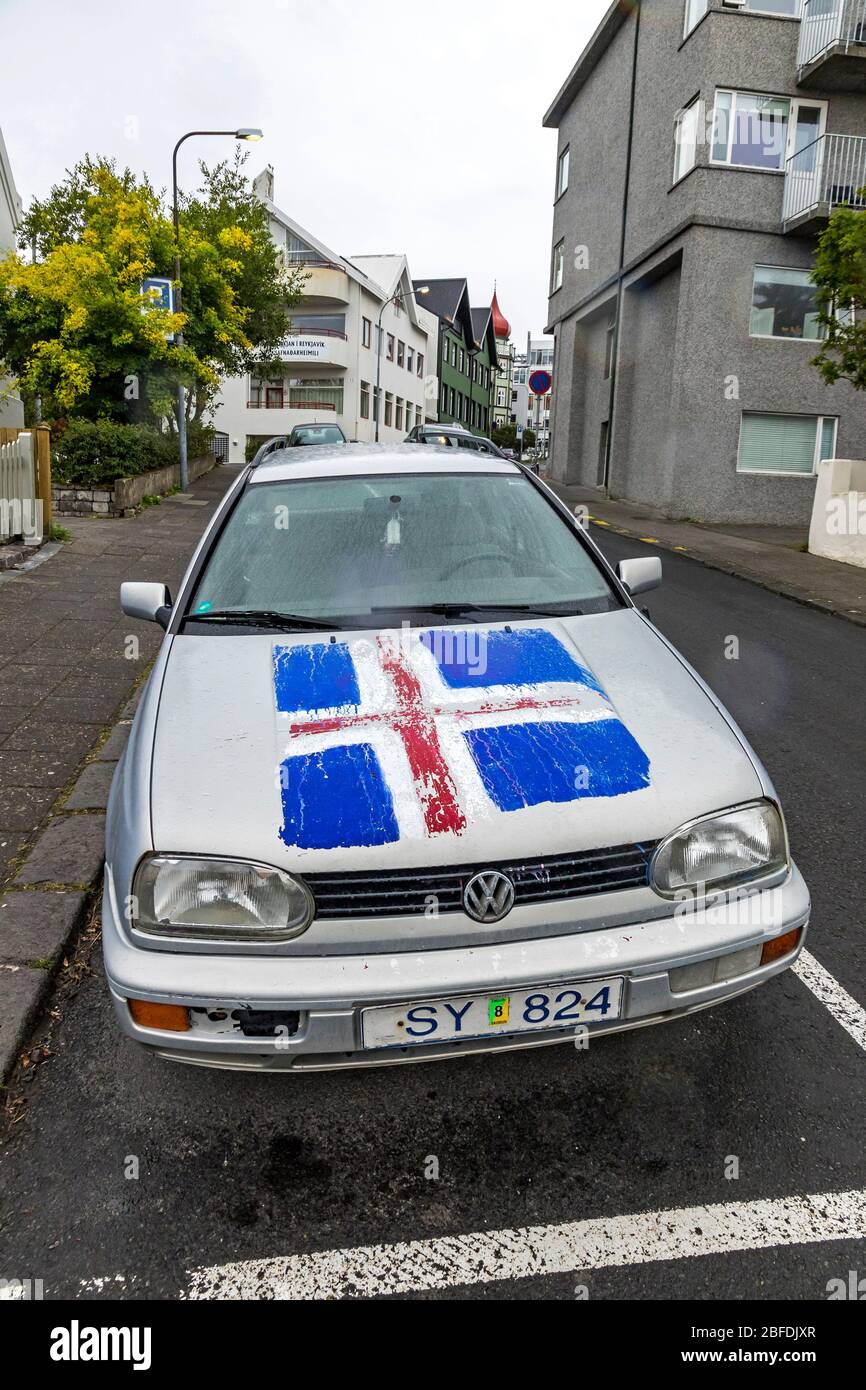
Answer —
355 547
322 434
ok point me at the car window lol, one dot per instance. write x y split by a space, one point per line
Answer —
318 434
468 443
345 547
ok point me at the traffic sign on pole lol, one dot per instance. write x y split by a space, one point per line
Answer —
540 383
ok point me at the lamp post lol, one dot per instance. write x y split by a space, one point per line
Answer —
399 296
245 133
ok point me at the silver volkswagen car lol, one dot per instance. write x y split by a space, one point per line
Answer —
414 777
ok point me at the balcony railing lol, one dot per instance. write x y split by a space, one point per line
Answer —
830 24
825 175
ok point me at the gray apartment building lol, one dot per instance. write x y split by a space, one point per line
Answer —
702 147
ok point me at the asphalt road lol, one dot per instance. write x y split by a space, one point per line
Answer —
238 1168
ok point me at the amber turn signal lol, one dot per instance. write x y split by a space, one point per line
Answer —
781 947
165 1018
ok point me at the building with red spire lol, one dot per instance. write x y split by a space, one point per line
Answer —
505 374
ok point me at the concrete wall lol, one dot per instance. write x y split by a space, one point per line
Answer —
690 254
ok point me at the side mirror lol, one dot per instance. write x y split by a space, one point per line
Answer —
639 576
149 602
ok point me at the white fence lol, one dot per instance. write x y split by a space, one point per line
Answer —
828 23
20 513
825 175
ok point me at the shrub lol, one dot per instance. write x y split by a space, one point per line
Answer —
92 453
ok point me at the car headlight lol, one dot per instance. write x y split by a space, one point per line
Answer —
722 851
218 900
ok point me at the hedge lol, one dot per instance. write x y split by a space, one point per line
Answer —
90 453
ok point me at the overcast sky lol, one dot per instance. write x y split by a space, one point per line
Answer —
392 125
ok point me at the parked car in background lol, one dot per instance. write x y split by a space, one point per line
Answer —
303 435
414 776
456 437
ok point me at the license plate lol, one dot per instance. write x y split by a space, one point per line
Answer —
489 1015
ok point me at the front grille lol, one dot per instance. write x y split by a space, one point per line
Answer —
406 893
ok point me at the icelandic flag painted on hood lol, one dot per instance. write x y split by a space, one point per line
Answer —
413 735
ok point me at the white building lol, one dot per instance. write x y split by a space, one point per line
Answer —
11 407
529 411
329 355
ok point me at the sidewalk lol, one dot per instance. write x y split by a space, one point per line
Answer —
67 673
767 555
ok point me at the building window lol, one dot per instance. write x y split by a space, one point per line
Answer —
389 347
410 359
686 134
562 171
366 332
316 393
695 11
398 421
365 400
761 132
401 354
274 395
462 367
609 339
443 399
784 304
785 443
389 408
558 274
420 364
785 7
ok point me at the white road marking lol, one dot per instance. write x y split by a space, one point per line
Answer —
830 993
452 1261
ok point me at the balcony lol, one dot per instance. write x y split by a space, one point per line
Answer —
318 346
325 283
832 52
829 173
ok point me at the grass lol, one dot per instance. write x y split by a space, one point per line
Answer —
149 500
58 533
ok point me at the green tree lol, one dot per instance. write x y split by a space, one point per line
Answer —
840 275
73 327
505 436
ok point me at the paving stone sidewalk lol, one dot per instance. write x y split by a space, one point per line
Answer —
771 556
68 690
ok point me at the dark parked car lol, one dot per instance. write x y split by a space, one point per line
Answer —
454 436
302 435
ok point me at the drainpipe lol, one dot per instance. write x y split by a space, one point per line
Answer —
614 366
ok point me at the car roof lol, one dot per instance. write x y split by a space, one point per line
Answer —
361 460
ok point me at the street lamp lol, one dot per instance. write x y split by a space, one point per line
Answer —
245 133
400 295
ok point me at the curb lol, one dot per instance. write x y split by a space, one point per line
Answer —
712 562
50 894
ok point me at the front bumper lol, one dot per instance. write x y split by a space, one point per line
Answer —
329 993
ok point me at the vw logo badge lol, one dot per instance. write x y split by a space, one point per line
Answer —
488 898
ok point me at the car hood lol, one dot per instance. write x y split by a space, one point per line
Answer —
451 746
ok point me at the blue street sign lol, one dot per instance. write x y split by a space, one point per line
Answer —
164 298
540 383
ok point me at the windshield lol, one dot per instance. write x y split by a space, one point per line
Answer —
360 548
318 434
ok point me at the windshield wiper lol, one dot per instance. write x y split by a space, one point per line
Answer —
254 617
459 610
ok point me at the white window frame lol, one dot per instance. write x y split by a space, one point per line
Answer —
563 169
794 104
820 421
776 337
696 106
557 273
690 28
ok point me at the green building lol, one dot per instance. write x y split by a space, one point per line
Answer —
467 360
